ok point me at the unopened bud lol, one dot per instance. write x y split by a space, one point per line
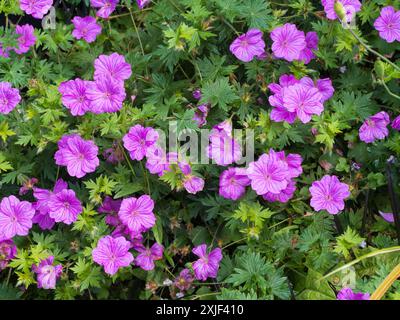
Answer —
339 10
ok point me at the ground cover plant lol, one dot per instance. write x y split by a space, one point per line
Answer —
94 206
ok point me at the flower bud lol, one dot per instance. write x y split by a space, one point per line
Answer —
339 10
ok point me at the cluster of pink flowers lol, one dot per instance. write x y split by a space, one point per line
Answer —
103 95
375 127
348 7
77 154
141 142
9 97
37 8
289 43
329 194
59 205
273 173
293 98
26 39
86 28
388 24
224 149
131 217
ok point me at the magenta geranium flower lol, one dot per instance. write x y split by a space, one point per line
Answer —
43 196
288 42
137 213
387 216
350 8
233 182
112 254
138 140
375 127
208 264
184 281
74 96
77 154
47 273
307 54
396 123
106 95
193 184
268 174
37 8
158 162
200 116
9 97
248 46
8 251
284 196
329 194
279 112
349 294
64 207
223 148
15 217
388 24
106 7
26 38
303 100
86 28
142 3
113 66
147 256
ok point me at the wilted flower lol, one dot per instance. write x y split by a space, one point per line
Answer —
375 127
200 115
8 251
114 154
329 194
193 184
184 281
27 185
47 273
112 254
248 46
142 3
86 28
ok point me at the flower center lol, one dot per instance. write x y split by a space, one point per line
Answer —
4 101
